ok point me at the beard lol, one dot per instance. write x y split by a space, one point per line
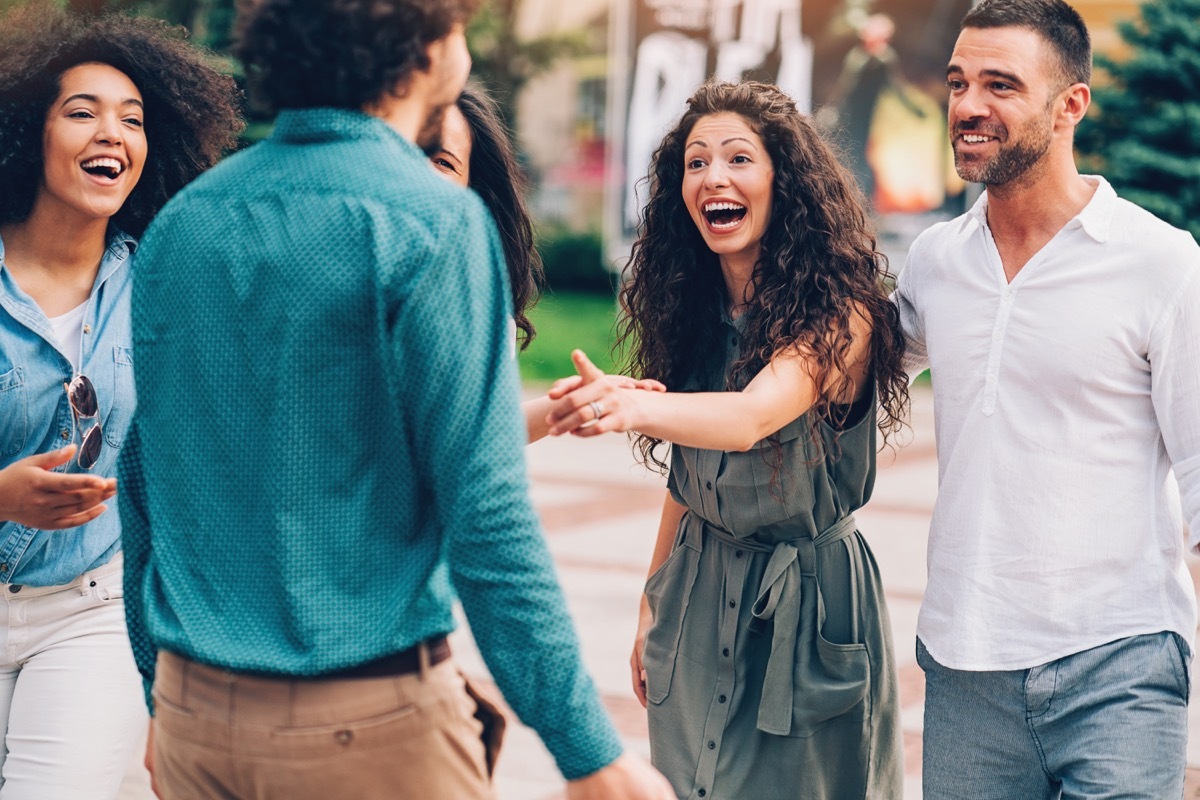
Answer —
1015 157
429 137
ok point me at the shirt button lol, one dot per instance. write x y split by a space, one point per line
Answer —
733 603
87 328
701 793
65 435
725 652
16 587
708 485
721 698
712 745
737 554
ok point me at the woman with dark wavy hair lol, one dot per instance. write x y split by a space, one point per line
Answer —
475 152
102 120
755 292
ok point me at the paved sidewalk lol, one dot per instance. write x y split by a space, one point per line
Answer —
600 511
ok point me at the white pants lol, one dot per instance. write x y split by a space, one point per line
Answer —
71 701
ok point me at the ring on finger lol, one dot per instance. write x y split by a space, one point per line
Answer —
597 409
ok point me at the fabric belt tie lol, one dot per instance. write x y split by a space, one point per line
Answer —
781 598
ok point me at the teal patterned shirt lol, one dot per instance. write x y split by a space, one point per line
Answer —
328 436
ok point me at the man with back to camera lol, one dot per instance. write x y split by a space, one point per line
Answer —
1062 327
329 436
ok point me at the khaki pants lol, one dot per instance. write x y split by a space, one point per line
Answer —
223 736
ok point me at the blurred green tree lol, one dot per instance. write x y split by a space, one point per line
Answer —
504 62
1143 133
210 21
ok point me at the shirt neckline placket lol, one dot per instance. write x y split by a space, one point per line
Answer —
1007 293
1007 298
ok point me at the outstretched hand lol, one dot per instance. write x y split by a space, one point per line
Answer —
34 496
592 402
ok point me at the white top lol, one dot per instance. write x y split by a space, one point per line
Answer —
1061 402
68 329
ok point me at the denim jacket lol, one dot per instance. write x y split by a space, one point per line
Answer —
35 416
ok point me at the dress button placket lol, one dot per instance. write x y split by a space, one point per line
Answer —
719 707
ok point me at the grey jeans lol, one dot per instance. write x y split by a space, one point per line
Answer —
1106 723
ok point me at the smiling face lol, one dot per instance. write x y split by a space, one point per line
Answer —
728 183
1004 83
93 143
454 159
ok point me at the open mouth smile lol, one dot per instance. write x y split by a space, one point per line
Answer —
723 215
108 169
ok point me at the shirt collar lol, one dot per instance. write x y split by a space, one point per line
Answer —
118 239
1095 218
312 125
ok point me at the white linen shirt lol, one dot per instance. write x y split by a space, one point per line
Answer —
1061 402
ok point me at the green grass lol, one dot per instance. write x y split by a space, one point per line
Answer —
564 321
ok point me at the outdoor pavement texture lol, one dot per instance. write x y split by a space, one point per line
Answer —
600 511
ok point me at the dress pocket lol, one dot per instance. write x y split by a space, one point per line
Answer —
14 414
832 681
833 687
668 592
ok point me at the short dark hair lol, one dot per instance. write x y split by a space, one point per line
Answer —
338 53
191 109
498 179
1056 22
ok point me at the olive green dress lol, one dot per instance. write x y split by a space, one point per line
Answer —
769 666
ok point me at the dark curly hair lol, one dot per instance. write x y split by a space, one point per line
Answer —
191 109
338 53
818 266
496 177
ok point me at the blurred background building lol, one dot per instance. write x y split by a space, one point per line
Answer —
587 124
589 86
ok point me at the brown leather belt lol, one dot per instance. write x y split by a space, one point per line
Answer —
406 662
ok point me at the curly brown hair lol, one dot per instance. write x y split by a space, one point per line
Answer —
818 266
192 110
338 53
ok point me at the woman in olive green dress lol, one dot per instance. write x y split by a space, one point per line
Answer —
755 293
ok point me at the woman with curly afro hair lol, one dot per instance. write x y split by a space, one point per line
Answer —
102 119
755 293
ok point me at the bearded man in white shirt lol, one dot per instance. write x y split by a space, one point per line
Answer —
1062 327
